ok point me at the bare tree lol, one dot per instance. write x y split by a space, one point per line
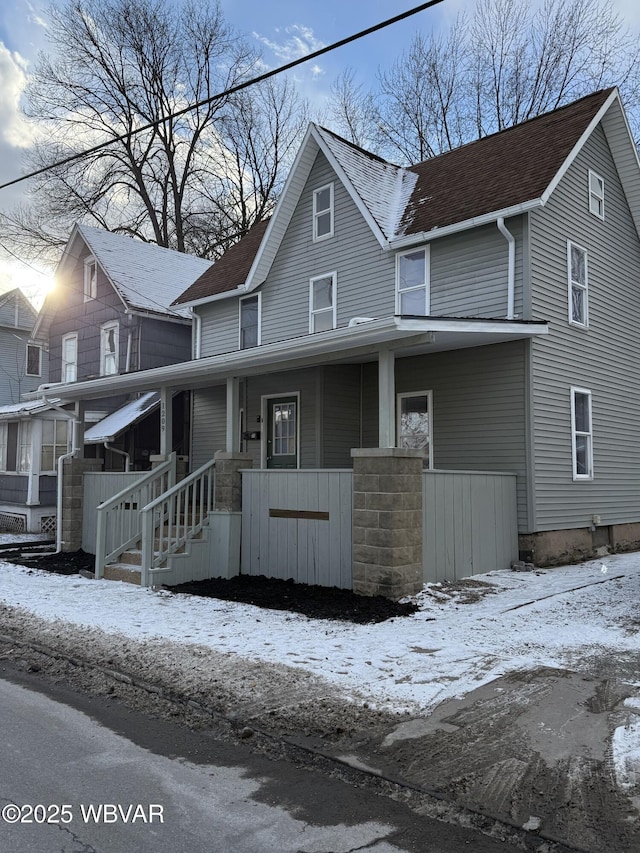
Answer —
508 61
119 65
354 111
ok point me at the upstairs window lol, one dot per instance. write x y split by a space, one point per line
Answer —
412 282
578 285
323 212
34 360
69 372
55 442
596 195
90 279
108 349
322 303
250 317
581 434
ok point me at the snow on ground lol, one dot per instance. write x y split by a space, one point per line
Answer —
462 636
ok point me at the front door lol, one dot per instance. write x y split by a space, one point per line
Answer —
282 432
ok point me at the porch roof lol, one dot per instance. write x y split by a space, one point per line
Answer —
126 416
13 411
361 342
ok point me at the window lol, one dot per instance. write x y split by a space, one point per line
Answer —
250 317
24 447
412 282
581 434
323 213
34 360
108 349
69 372
284 429
90 279
322 303
3 446
596 194
578 285
414 423
55 442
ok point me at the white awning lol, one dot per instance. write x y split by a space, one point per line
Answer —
108 428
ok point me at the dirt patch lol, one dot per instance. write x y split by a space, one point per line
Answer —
316 602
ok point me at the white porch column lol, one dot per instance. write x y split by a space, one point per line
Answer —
33 481
166 421
386 399
233 414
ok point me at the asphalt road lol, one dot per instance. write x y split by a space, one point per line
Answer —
82 774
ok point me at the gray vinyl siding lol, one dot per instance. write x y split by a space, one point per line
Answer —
469 273
220 327
48 490
13 489
603 358
340 414
479 411
208 424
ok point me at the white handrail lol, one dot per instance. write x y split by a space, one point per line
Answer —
118 518
174 517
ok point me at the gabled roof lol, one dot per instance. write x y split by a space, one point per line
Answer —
23 313
503 174
146 277
230 272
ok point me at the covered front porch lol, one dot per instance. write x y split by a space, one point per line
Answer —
298 413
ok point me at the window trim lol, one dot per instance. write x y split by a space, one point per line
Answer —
334 301
37 347
429 395
63 365
90 285
583 287
318 213
53 421
427 279
596 197
574 434
104 328
257 295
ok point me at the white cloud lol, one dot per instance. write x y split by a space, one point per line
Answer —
14 129
299 41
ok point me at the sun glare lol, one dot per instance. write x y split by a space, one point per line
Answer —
35 283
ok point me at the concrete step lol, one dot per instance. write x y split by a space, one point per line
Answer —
122 572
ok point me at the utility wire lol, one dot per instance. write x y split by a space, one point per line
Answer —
238 88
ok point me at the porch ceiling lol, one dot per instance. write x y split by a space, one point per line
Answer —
361 342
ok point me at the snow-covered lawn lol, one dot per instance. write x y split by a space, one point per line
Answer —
572 617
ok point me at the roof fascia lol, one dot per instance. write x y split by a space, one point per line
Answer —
579 145
454 228
216 297
163 318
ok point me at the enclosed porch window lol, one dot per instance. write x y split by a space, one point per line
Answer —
414 423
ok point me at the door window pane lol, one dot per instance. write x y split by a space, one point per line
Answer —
284 429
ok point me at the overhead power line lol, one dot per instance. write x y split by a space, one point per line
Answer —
238 88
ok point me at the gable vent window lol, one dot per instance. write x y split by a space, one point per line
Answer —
578 285
323 213
412 283
90 279
596 195
109 349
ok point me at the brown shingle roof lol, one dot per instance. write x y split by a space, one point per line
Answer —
497 172
230 271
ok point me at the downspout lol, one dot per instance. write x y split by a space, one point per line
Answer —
117 450
197 331
511 274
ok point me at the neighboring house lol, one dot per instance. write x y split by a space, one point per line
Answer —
482 307
23 359
109 314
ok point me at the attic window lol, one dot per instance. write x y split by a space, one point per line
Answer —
323 212
90 279
596 195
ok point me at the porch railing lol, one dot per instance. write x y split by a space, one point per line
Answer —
174 517
119 524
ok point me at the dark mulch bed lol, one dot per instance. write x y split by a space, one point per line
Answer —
318 602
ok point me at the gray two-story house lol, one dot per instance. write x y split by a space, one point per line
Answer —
478 311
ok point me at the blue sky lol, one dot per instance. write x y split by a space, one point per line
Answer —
285 29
